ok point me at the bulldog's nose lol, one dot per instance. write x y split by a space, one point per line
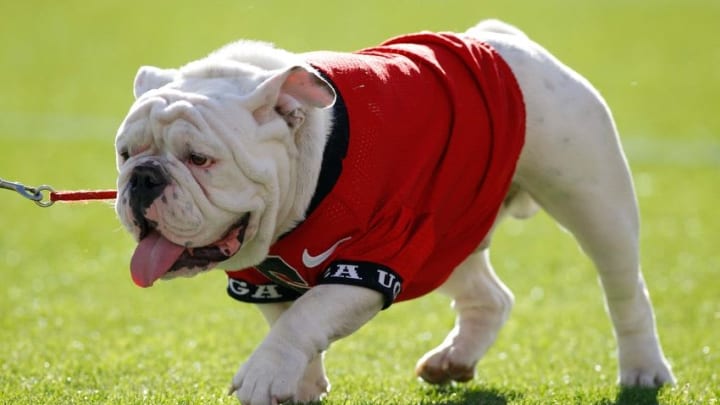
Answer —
147 182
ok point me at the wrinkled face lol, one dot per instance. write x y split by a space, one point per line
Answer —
204 163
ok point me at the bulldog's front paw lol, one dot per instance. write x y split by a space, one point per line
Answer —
314 384
271 375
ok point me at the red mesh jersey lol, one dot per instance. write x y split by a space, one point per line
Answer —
436 124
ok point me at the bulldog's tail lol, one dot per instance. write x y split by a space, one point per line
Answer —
496 26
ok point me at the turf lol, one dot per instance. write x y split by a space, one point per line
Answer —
74 329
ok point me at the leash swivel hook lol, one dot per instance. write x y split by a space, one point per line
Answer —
36 194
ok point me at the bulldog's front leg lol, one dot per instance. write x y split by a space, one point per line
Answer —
322 315
314 383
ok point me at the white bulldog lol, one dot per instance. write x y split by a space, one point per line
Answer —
333 185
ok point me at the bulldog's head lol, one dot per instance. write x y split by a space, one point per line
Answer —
217 159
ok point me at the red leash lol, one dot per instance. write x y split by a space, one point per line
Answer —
82 195
42 198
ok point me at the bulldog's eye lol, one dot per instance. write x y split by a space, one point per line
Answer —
125 155
199 160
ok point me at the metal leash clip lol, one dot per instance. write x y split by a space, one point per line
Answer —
36 194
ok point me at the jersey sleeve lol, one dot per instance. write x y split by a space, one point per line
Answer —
386 258
252 286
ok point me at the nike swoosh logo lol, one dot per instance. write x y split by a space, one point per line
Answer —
311 261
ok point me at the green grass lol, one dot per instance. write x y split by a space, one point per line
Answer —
74 329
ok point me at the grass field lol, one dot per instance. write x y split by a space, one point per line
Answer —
75 330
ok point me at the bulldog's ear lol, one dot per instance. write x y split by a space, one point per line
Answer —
150 77
307 87
289 92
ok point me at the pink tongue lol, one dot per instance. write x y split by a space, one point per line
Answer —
153 258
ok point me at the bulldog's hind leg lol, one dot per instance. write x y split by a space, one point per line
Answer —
605 224
574 167
602 216
482 303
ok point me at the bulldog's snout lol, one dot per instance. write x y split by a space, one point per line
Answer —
147 182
